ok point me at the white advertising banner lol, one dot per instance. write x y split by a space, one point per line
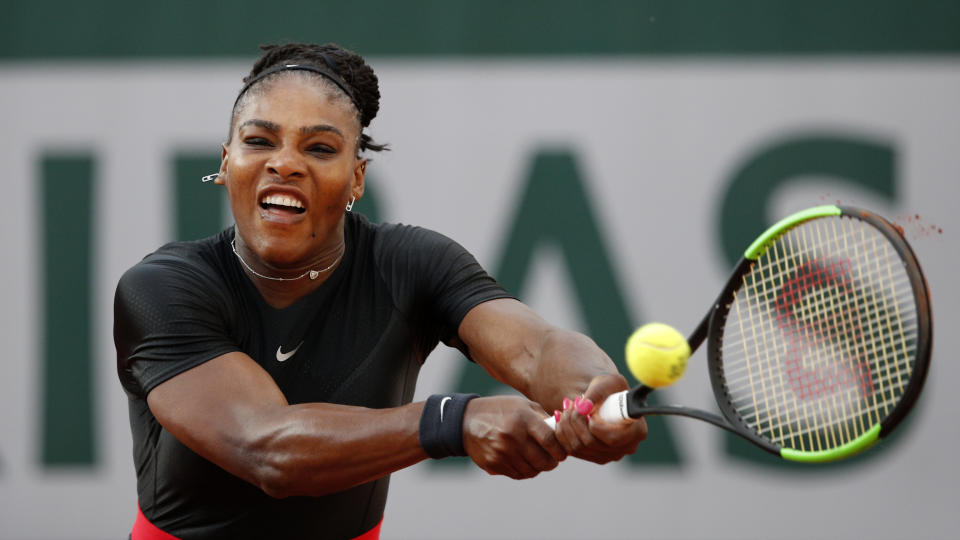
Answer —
657 147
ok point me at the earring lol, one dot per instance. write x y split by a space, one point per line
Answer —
350 204
210 177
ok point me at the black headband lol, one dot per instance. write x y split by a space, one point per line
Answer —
329 74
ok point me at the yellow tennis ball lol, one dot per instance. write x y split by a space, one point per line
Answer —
657 354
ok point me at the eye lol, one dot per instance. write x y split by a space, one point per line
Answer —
321 149
256 141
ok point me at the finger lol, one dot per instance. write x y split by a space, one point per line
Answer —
615 440
581 428
522 465
528 455
573 433
548 441
602 386
528 458
538 460
499 467
565 435
542 458
619 434
518 471
583 406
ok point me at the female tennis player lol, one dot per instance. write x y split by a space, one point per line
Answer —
270 369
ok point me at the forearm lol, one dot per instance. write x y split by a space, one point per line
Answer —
316 448
517 347
548 364
566 363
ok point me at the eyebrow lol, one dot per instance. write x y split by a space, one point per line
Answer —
306 130
321 128
267 125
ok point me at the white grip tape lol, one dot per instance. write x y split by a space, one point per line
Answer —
613 410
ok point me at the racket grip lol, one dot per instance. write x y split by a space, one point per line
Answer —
612 410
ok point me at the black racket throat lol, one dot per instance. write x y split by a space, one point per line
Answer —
637 408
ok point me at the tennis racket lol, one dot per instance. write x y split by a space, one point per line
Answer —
818 345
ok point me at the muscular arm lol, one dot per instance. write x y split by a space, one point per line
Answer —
517 347
230 411
547 364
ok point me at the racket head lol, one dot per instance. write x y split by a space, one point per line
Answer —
820 343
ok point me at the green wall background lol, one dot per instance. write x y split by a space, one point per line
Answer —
181 28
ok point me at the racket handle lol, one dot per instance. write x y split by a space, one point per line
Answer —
612 410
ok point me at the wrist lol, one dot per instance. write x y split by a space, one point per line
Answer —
441 425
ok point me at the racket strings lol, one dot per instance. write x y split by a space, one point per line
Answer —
830 411
820 340
884 379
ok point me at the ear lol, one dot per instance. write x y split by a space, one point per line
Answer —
359 175
224 157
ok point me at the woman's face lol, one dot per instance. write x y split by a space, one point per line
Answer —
290 168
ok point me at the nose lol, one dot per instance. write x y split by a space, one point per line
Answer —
286 163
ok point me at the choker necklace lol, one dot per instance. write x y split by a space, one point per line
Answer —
314 274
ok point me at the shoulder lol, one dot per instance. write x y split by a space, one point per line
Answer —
393 238
397 242
204 255
175 290
175 309
428 261
183 267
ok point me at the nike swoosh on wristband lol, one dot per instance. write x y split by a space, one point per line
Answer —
284 356
443 403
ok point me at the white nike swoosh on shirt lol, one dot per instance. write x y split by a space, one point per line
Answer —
443 403
284 356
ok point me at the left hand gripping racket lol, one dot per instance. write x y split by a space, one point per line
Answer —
820 342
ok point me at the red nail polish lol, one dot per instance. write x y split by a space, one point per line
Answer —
566 403
556 416
585 407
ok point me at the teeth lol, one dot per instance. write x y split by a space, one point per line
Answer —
282 200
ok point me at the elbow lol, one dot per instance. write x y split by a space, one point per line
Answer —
273 463
282 474
275 477
286 461
279 481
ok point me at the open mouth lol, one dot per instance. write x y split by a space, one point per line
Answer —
282 203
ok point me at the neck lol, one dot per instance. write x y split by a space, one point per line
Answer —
283 286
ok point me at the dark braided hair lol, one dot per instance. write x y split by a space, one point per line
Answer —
348 65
